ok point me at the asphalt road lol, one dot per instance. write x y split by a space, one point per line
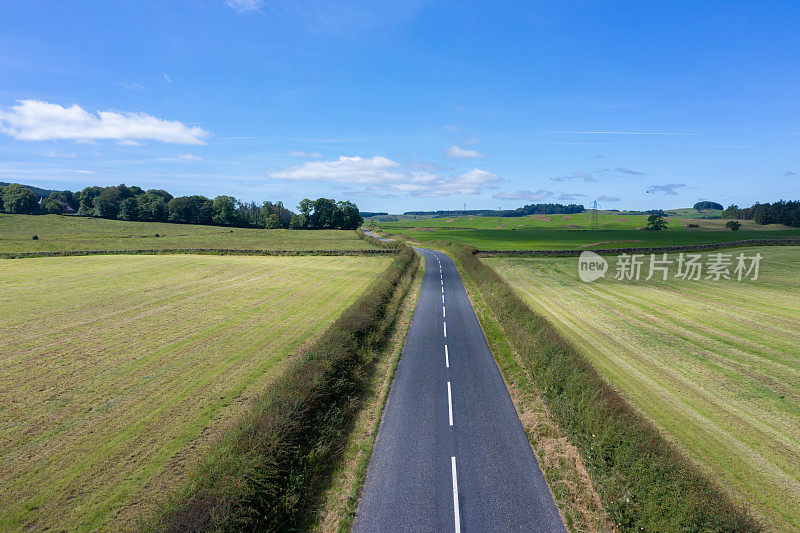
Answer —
367 232
451 454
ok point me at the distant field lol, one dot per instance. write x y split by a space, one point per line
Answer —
544 239
716 365
57 233
554 232
574 221
117 372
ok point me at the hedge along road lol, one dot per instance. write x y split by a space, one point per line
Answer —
451 454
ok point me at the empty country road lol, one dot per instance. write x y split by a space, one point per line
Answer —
451 454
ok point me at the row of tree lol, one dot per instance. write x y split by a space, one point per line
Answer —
781 212
156 205
531 209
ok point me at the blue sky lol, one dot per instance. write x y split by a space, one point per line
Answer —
406 105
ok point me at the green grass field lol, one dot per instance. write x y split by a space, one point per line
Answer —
714 364
59 233
118 372
607 220
547 239
556 232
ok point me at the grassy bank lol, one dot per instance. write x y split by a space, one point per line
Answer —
57 233
642 480
714 364
268 472
118 372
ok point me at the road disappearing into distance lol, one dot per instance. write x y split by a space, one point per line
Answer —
451 453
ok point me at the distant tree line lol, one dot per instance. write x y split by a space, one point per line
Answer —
156 205
708 205
781 212
532 209
326 213
659 212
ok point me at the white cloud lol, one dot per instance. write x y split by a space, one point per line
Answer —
629 172
570 197
344 170
669 188
300 153
585 176
381 176
131 86
452 128
628 133
243 6
34 120
189 157
471 141
166 77
540 194
69 155
606 198
455 152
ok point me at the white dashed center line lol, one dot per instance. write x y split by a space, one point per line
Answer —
445 329
455 495
450 403
446 357
443 315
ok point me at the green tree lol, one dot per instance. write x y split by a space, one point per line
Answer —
297 221
732 211
655 223
707 205
51 206
106 204
224 211
324 215
152 207
349 216
272 222
86 204
129 209
733 225
19 199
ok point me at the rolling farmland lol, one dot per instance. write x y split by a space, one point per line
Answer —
557 232
58 233
118 372
714 364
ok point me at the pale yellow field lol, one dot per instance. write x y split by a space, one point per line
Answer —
117 372
716 365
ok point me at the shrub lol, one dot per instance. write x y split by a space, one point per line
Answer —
35 238
655 223
733 225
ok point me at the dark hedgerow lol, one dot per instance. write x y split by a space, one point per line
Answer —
644 482
266 473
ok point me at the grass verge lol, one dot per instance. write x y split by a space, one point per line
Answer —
564 469
643 482
269 471
341 499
